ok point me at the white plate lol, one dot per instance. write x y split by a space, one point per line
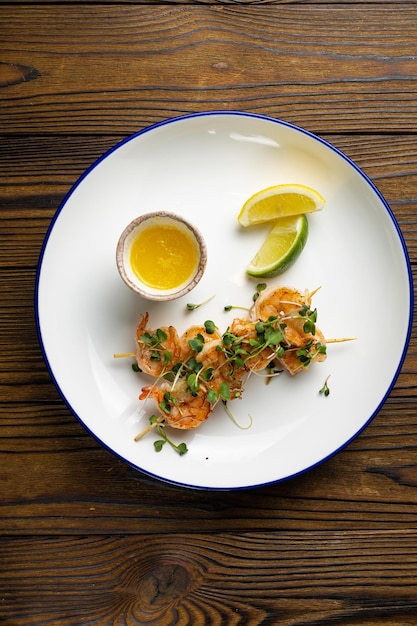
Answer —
204 167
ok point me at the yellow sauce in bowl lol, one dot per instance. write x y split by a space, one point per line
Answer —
163 256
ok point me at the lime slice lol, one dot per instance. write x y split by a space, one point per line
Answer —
280 201
281 248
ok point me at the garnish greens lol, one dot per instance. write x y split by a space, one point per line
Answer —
159 443
192 307
229 307
259 287
220 380
154 342
325 389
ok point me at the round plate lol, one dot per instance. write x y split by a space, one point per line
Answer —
204 167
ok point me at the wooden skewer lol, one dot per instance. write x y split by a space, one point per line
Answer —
340 339
313 293
145 431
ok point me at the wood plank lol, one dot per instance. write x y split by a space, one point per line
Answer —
85 538
220 3
319 577
129 79
69 484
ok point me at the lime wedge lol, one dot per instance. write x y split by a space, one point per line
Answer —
281 248
280 201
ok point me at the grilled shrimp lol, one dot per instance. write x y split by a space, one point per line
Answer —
280 302
192 333
179 407
218 369
298 358
245 330
197 369
302 343
156 351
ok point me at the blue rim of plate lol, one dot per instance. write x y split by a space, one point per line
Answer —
291 126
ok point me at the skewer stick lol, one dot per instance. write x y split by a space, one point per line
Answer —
146 430
122 355
313 293
340 339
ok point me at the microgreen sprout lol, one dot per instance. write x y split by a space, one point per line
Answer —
154 342
224 391
233 418
207 374
159 443
196 343
212 396
271 372
192 307
325 391
165 404
173 372
229 307
309 352
311 319
193 383
194 365
210 327
259 287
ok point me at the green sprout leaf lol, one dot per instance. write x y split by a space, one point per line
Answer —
181 448
196 343
193 383
224 391
325 391
210 327
212 396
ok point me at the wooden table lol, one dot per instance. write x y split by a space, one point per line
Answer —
85 538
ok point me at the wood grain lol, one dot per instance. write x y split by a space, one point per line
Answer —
371 485
278 61
365 578
88 540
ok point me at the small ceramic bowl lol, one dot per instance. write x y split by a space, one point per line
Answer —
161 256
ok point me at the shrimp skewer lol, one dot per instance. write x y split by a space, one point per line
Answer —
188 401
195 332
197 369
218 369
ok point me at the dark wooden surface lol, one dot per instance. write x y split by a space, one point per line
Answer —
84 538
